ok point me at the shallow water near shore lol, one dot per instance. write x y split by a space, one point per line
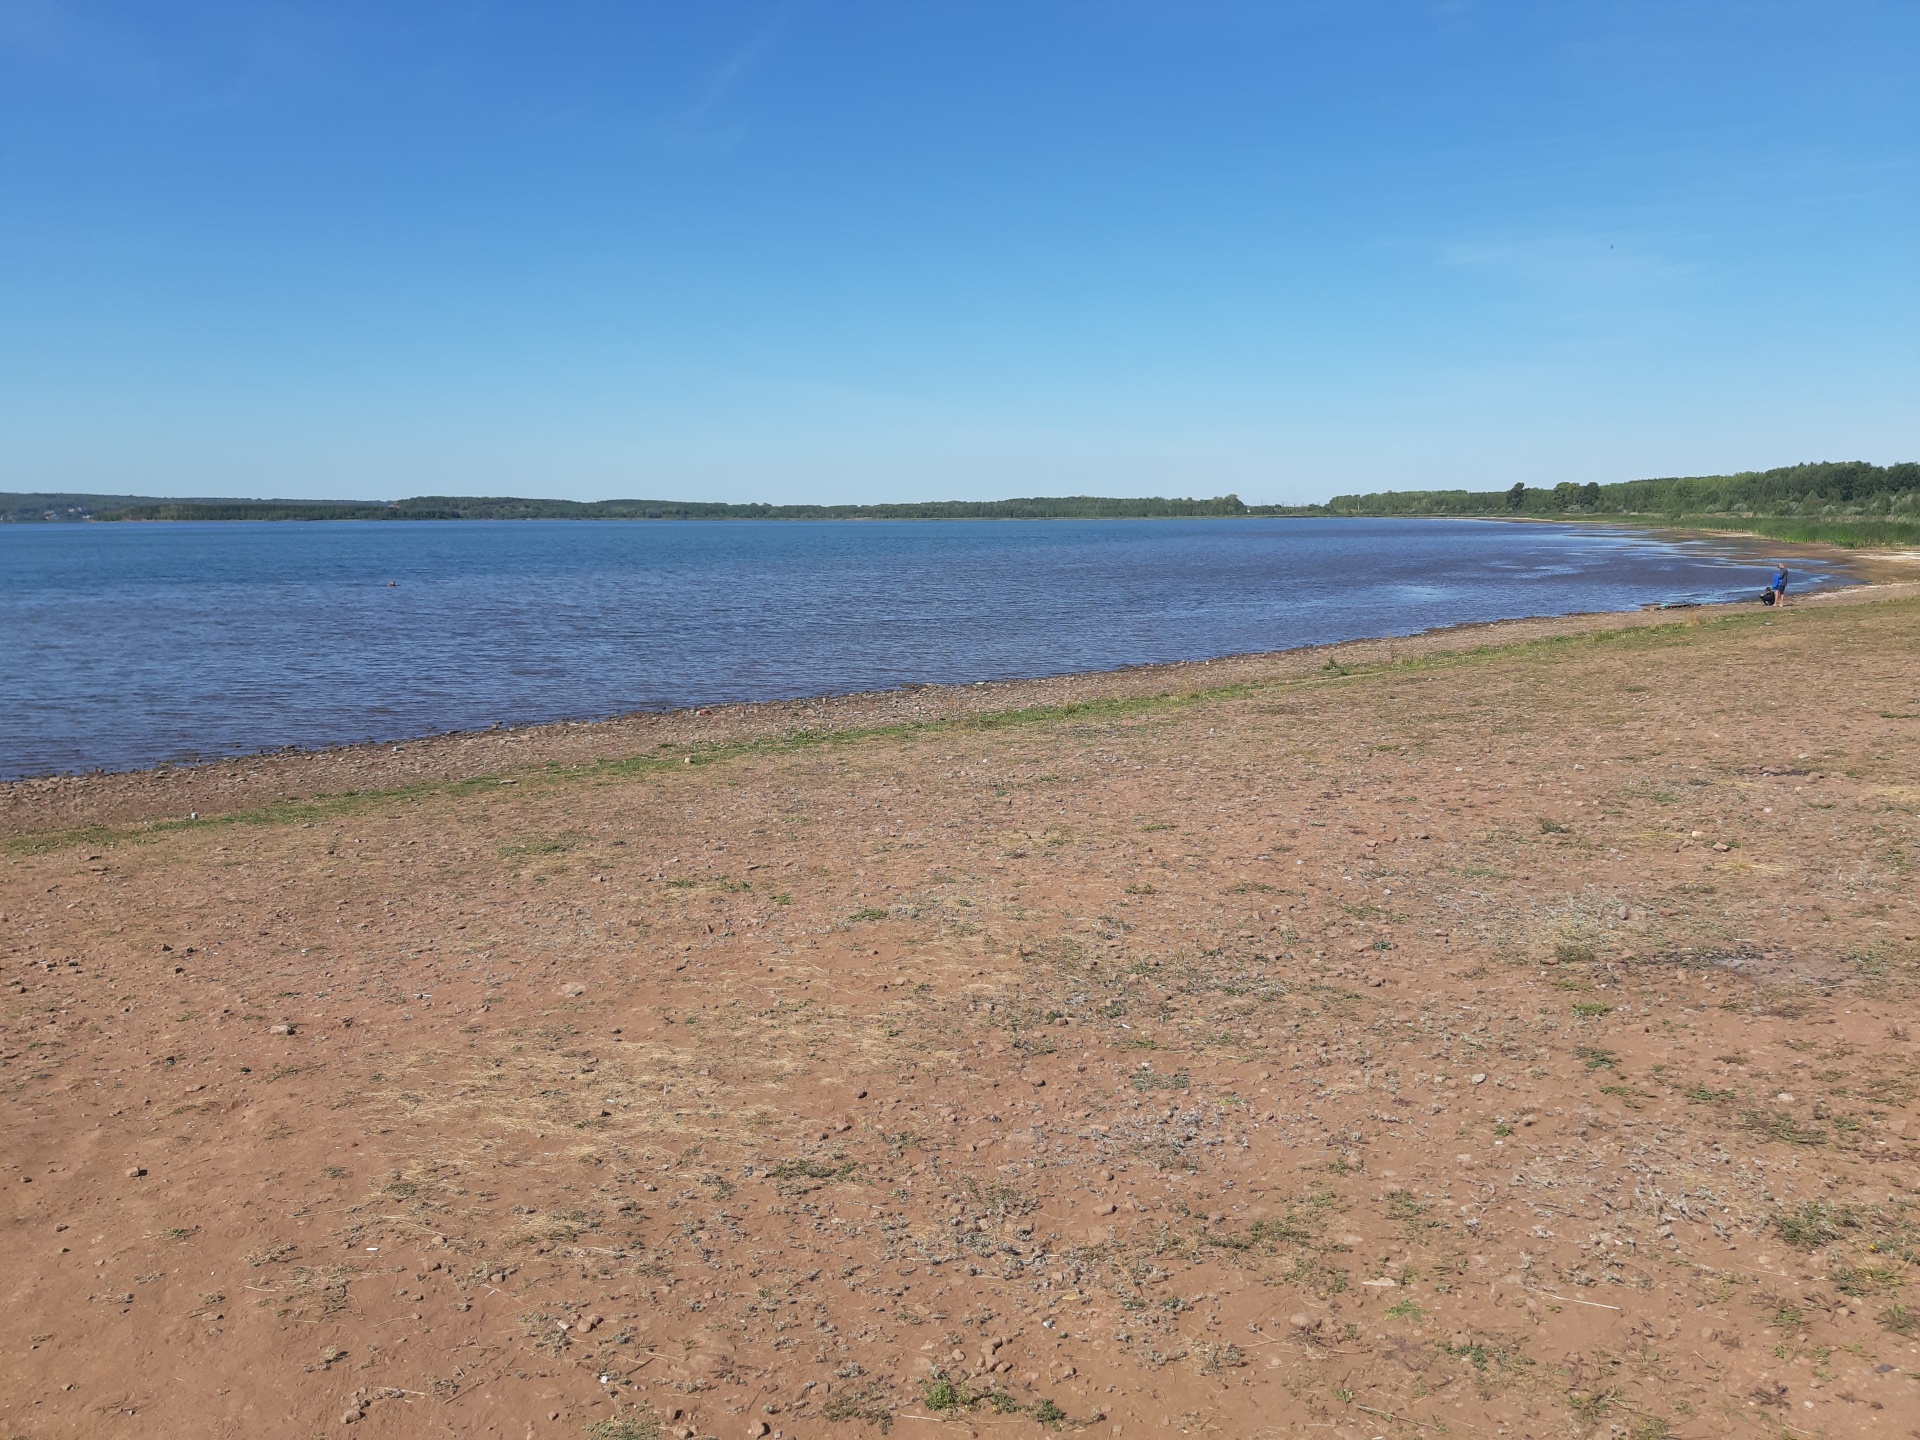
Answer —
133 645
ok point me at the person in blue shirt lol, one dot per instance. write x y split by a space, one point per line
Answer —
1779 586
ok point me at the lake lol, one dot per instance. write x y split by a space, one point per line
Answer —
133 644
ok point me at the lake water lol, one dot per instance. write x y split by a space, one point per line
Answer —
130 644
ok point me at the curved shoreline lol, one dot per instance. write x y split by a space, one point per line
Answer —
205 789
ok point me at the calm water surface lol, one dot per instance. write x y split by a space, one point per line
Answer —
126 645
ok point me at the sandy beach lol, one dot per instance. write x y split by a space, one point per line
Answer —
1505 1031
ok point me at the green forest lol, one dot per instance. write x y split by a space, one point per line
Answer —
1846 487
1849 502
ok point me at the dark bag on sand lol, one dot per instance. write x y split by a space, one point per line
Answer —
1766 597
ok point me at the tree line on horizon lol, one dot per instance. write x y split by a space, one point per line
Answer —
1830 492
461 507
1844 489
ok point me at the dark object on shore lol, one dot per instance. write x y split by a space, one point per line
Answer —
1766 597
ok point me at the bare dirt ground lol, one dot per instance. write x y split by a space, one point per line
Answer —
1503 1033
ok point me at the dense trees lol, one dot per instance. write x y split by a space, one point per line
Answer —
1833 488
1847 493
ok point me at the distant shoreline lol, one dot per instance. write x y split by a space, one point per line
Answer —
1853 504
122 509
1846 536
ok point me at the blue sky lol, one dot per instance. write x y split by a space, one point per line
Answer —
898 250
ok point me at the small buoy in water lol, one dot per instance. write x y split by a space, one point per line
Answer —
392 583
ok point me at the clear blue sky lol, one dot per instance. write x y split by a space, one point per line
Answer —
899 250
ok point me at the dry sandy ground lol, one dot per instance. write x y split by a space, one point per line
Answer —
1506 1033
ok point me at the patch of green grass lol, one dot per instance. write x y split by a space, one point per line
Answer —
1594 1058
942 1393
1474 1351
1150 1080
1900 1320
1286 1230
1552 827
808 1168
1707 1096
1215 1357
1590 1407
1573 952
1780 1126
1403 1207
1591 1009
869 913
1314 1274
1406 1310
1861 1280
866 1403
1887 1089
1816 1223
1851 534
